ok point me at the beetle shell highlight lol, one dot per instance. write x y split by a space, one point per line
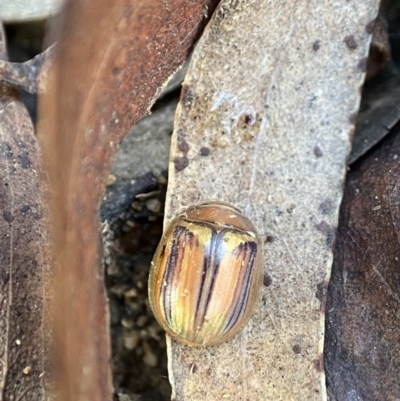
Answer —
206 274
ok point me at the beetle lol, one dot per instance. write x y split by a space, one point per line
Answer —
206 274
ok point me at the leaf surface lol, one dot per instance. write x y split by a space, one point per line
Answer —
265 123
362 350
24 255
112 61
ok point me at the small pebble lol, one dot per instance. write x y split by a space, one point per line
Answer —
124 397
119 290
125 228
127 323
162 180
141 321
154 205
130 223
134 306
131 340
154 331
112 269
27 370
136 206
111 179
149 358
132 293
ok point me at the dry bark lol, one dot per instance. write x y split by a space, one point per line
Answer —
24 255
362 353
113 59
264 123
380 114
31 76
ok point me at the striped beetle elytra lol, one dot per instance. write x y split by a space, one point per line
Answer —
206 274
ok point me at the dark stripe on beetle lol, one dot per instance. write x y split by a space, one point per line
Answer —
242 302
169 270
207 261
217 262
247 280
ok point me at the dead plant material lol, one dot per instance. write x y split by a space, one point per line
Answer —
264 123
362 351
113 60
24 255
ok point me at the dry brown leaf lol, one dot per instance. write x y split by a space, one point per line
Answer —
363 310
30 76
379 52
265 121
24 255
113 59
381 112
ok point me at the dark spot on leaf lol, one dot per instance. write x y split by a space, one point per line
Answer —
326 206
296 349
183 146
204 151
35 212
318 151
267 280
116 70
269 238
322 289
4 277
319 363
5 151
324 227
187 96
362 65
25 208
250 119
350 42
8 217
24 160
181 163
321 294
291 208
180 135
370 26
353 118
330 238
316 45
